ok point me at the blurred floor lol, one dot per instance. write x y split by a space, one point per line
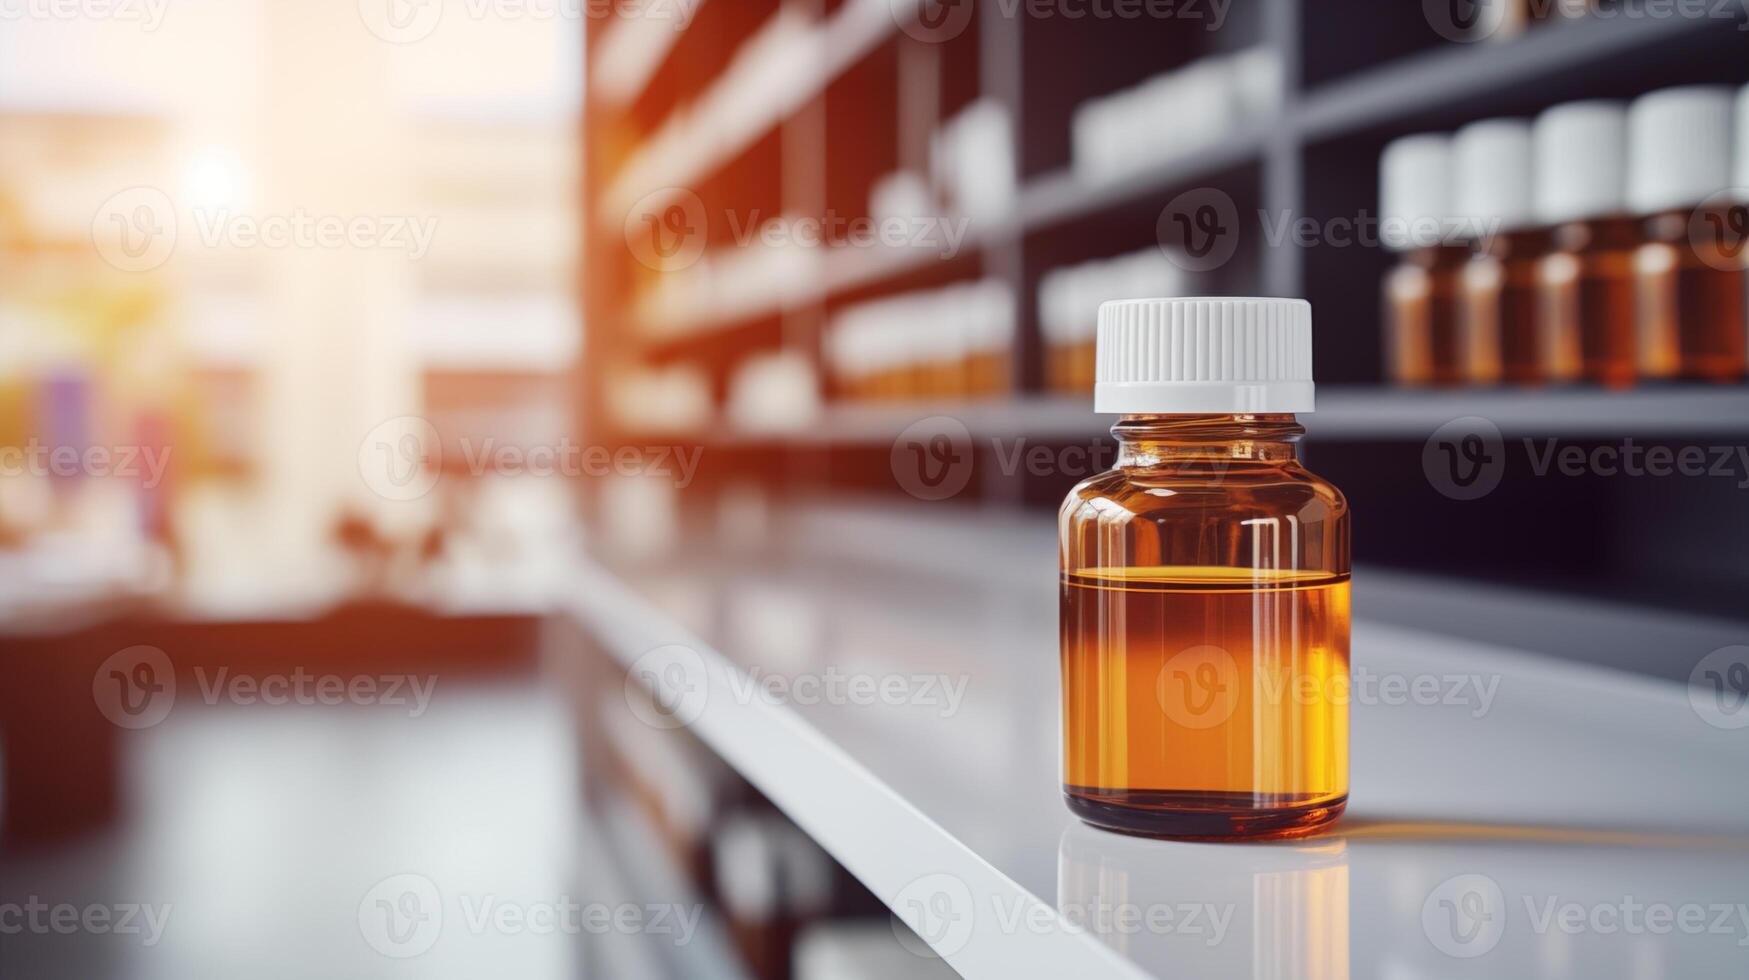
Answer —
262 831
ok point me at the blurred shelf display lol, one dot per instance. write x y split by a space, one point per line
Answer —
1128 138
786 63
531 332
1448 76
1342 414
1569 758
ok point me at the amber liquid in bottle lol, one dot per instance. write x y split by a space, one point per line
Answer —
1692 301
1501 318
1204 604
1589 303
1424 333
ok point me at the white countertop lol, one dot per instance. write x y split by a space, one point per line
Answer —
1510 815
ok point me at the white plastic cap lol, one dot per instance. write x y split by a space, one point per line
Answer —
1415 192
1581 151
1493 169
1679 147
1204 355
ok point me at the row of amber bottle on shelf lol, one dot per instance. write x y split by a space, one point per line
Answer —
1600 243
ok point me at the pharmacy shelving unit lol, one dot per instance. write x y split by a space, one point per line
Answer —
1638 573
865 95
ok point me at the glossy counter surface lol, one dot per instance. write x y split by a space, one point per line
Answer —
894 687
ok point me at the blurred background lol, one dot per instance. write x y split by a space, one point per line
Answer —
354 353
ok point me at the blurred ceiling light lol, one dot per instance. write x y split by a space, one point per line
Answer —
214 178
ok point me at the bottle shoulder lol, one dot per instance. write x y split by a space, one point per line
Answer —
1245 491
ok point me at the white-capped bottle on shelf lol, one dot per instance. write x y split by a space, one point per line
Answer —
989 339
1069 299
1205 570
1416 223
1690 267
1497 330
949 343
1587 301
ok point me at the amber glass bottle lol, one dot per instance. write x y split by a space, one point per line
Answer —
1422 293
1498 327
1204 584
1588 307
1691 277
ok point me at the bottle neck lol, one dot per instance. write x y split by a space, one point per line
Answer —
1155 440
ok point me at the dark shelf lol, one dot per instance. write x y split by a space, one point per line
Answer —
1453 74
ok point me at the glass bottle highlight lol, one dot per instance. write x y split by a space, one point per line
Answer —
1204 584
